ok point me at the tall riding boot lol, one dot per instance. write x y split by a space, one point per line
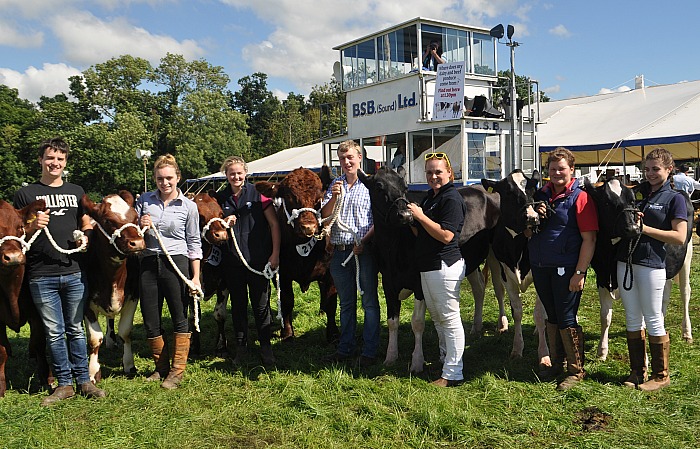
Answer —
659 348
161 356
572 337
637 348
182 348
556 354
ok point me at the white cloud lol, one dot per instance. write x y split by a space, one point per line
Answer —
89 40
552 89
560 30
12 37
300 47
50 80
605 90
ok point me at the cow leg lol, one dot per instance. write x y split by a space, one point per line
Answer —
606 298
37 349
93 333
516 307
220 318
418 327
329 306
684 286
110 334
287 306
126 324
499 291
195 337
3 361
393 318
539 316
477 282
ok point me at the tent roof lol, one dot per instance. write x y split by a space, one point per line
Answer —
605 124
282 162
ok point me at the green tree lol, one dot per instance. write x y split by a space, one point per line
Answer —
289 126
522 88
254 100
326 109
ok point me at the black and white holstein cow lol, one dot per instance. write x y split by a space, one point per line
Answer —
617 216
112 292
509 247
303 256
393 248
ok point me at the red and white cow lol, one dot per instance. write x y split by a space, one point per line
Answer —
115 237
16 306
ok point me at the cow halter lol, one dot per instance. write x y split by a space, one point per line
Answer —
118 233
296 212
25 245
205 229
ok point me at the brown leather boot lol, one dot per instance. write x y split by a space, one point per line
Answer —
182 348
572 337
161 356
59 394
89 390
556 354
637 348
659 348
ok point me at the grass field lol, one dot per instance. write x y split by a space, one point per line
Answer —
305 403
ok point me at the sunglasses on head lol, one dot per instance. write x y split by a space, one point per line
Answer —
438 155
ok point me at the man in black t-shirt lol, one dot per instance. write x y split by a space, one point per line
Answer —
56 280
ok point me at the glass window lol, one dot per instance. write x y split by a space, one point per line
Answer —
372 154
359 65
395 146
484 54
484 156
448 140
419 143
454 43
397 52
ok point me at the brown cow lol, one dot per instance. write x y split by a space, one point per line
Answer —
303 258
115 237
16 306
214 232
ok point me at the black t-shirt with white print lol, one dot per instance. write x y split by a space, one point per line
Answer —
63 203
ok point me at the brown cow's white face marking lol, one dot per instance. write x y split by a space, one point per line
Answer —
118 206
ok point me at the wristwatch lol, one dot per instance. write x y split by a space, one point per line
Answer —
580 272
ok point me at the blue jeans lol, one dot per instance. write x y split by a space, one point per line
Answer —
552 286
60 301
345 283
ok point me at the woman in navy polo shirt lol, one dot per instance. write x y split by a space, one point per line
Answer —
440 218
559 257
664 219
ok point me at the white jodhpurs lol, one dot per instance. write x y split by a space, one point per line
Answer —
441 290
643 303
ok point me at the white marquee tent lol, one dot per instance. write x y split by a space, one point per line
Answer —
621 127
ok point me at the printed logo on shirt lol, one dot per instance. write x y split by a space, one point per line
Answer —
59 201
655 206
59 212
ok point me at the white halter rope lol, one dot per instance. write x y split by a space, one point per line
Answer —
333 219
268 273
118 233
223 222
296 212
198 293
25 244
77 235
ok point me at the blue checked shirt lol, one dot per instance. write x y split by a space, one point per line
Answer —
178 224
356 212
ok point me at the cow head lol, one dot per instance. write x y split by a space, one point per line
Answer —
112 215
12 224
213 230
387 190
617 212
517 204
299 195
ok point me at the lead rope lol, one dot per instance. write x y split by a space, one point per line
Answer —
333 219
198 295
628 264
77 235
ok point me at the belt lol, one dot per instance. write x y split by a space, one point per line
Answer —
348 247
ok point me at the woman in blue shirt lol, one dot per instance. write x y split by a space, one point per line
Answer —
177 220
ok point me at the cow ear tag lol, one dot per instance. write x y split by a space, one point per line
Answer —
490 189
639 196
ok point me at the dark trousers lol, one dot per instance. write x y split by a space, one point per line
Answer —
240 283
552 287
159 281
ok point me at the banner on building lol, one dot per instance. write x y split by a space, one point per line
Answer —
449 91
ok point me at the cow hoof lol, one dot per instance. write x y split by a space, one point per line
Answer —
503 325
515 356
417 369
287 338
98 377
602 354
688 340
477 331
332 335
130 374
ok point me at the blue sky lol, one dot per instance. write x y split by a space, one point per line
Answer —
573 48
